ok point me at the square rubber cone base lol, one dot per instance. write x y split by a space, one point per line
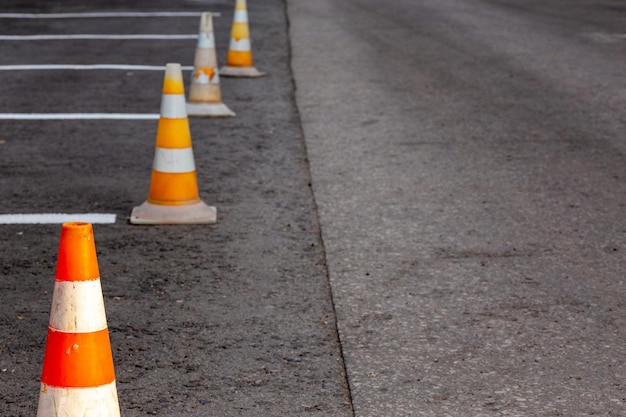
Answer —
198 213
209 110
228 71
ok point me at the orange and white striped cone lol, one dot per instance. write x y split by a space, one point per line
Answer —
239 56
78 378
205 96
173 197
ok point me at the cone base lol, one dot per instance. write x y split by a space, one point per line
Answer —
228 71
149 213
78 402
209 110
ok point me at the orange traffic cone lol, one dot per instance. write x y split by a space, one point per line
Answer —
205 96
239 56
173 197
78 377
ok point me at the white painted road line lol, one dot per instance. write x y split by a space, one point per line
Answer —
96 36
78 116
606 37
89 15
54 218
35 67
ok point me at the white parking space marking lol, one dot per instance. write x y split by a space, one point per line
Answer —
40 67
102 218
90 15
54 218
79 116
96 36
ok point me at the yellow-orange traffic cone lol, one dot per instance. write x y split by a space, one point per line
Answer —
205 96
78 378
239 56
173 197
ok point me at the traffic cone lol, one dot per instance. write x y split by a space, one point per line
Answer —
78 378
173 197
239 56
205 97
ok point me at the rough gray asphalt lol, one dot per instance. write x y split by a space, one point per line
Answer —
469 165
467 162
231 320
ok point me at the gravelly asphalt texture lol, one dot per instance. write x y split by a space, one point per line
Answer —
233 319
468 163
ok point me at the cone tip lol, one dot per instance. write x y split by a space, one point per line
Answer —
173 83
77 227
172 69
77 260
206 22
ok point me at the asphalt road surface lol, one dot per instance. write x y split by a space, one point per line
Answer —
421 209
233 319
469 165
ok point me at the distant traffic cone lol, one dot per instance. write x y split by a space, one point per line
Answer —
239 56
78 378
205 96
173 197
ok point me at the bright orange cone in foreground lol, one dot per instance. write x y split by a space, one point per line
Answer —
205 95
78 378
173 197
239 56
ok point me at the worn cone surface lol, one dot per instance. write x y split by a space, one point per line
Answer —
78 378
239 57
205 96
173 197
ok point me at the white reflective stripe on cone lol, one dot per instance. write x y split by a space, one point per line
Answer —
241 16
173 106
206 40
240 45
78 402
87 312
173 161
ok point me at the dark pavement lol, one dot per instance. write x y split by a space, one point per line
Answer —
469 165
233 319
430 196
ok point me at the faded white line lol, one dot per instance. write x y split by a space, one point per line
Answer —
606 37
88 15
96 36
54 218
78 116
36 67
